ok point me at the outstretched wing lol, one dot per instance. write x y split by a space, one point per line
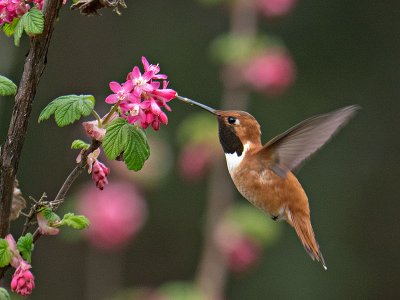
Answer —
290 148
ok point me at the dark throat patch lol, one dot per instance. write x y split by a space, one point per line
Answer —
228 139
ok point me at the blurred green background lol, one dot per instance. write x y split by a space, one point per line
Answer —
346 52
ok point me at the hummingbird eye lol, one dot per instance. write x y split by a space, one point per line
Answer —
231 120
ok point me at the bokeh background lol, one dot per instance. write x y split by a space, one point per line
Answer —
346 52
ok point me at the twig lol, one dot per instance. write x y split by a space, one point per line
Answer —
59 199
60 195
12 147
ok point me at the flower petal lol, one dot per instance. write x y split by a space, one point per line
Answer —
111 99
115 86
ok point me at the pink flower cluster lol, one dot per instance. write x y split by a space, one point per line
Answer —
23 281
142 96
11 9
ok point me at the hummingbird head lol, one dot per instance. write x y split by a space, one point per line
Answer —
236 128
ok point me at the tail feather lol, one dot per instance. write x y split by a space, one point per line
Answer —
304 230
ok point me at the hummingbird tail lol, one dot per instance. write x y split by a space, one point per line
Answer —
304 230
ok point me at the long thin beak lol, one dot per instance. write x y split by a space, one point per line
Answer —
192 102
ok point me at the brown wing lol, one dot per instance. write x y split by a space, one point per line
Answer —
290 148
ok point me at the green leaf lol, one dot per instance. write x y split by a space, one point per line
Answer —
4 295
33 21
128 140
7 87
18 30
67 109
77 222
9 28
25 246
79 144
50 215
5 253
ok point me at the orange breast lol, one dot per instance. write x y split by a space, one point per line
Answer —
268 191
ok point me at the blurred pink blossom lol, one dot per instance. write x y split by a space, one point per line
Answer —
116 214
275 8
241 252
272 72
194 160
23 281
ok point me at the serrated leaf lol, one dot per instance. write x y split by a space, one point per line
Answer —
68 109
127 139
76 222
7 87
33 21
25 246
5 253
9 28
79 144
18 30
50 215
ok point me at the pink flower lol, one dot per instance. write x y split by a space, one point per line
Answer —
275 8
152 68
23 281
116 214
99 174
44 226
141 83
273 72
122 92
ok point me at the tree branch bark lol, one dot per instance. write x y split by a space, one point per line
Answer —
11 150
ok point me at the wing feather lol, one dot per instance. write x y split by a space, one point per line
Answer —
292 147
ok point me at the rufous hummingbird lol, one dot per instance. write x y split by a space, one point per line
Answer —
263 173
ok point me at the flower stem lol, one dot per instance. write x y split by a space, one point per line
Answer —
96 115
111 112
